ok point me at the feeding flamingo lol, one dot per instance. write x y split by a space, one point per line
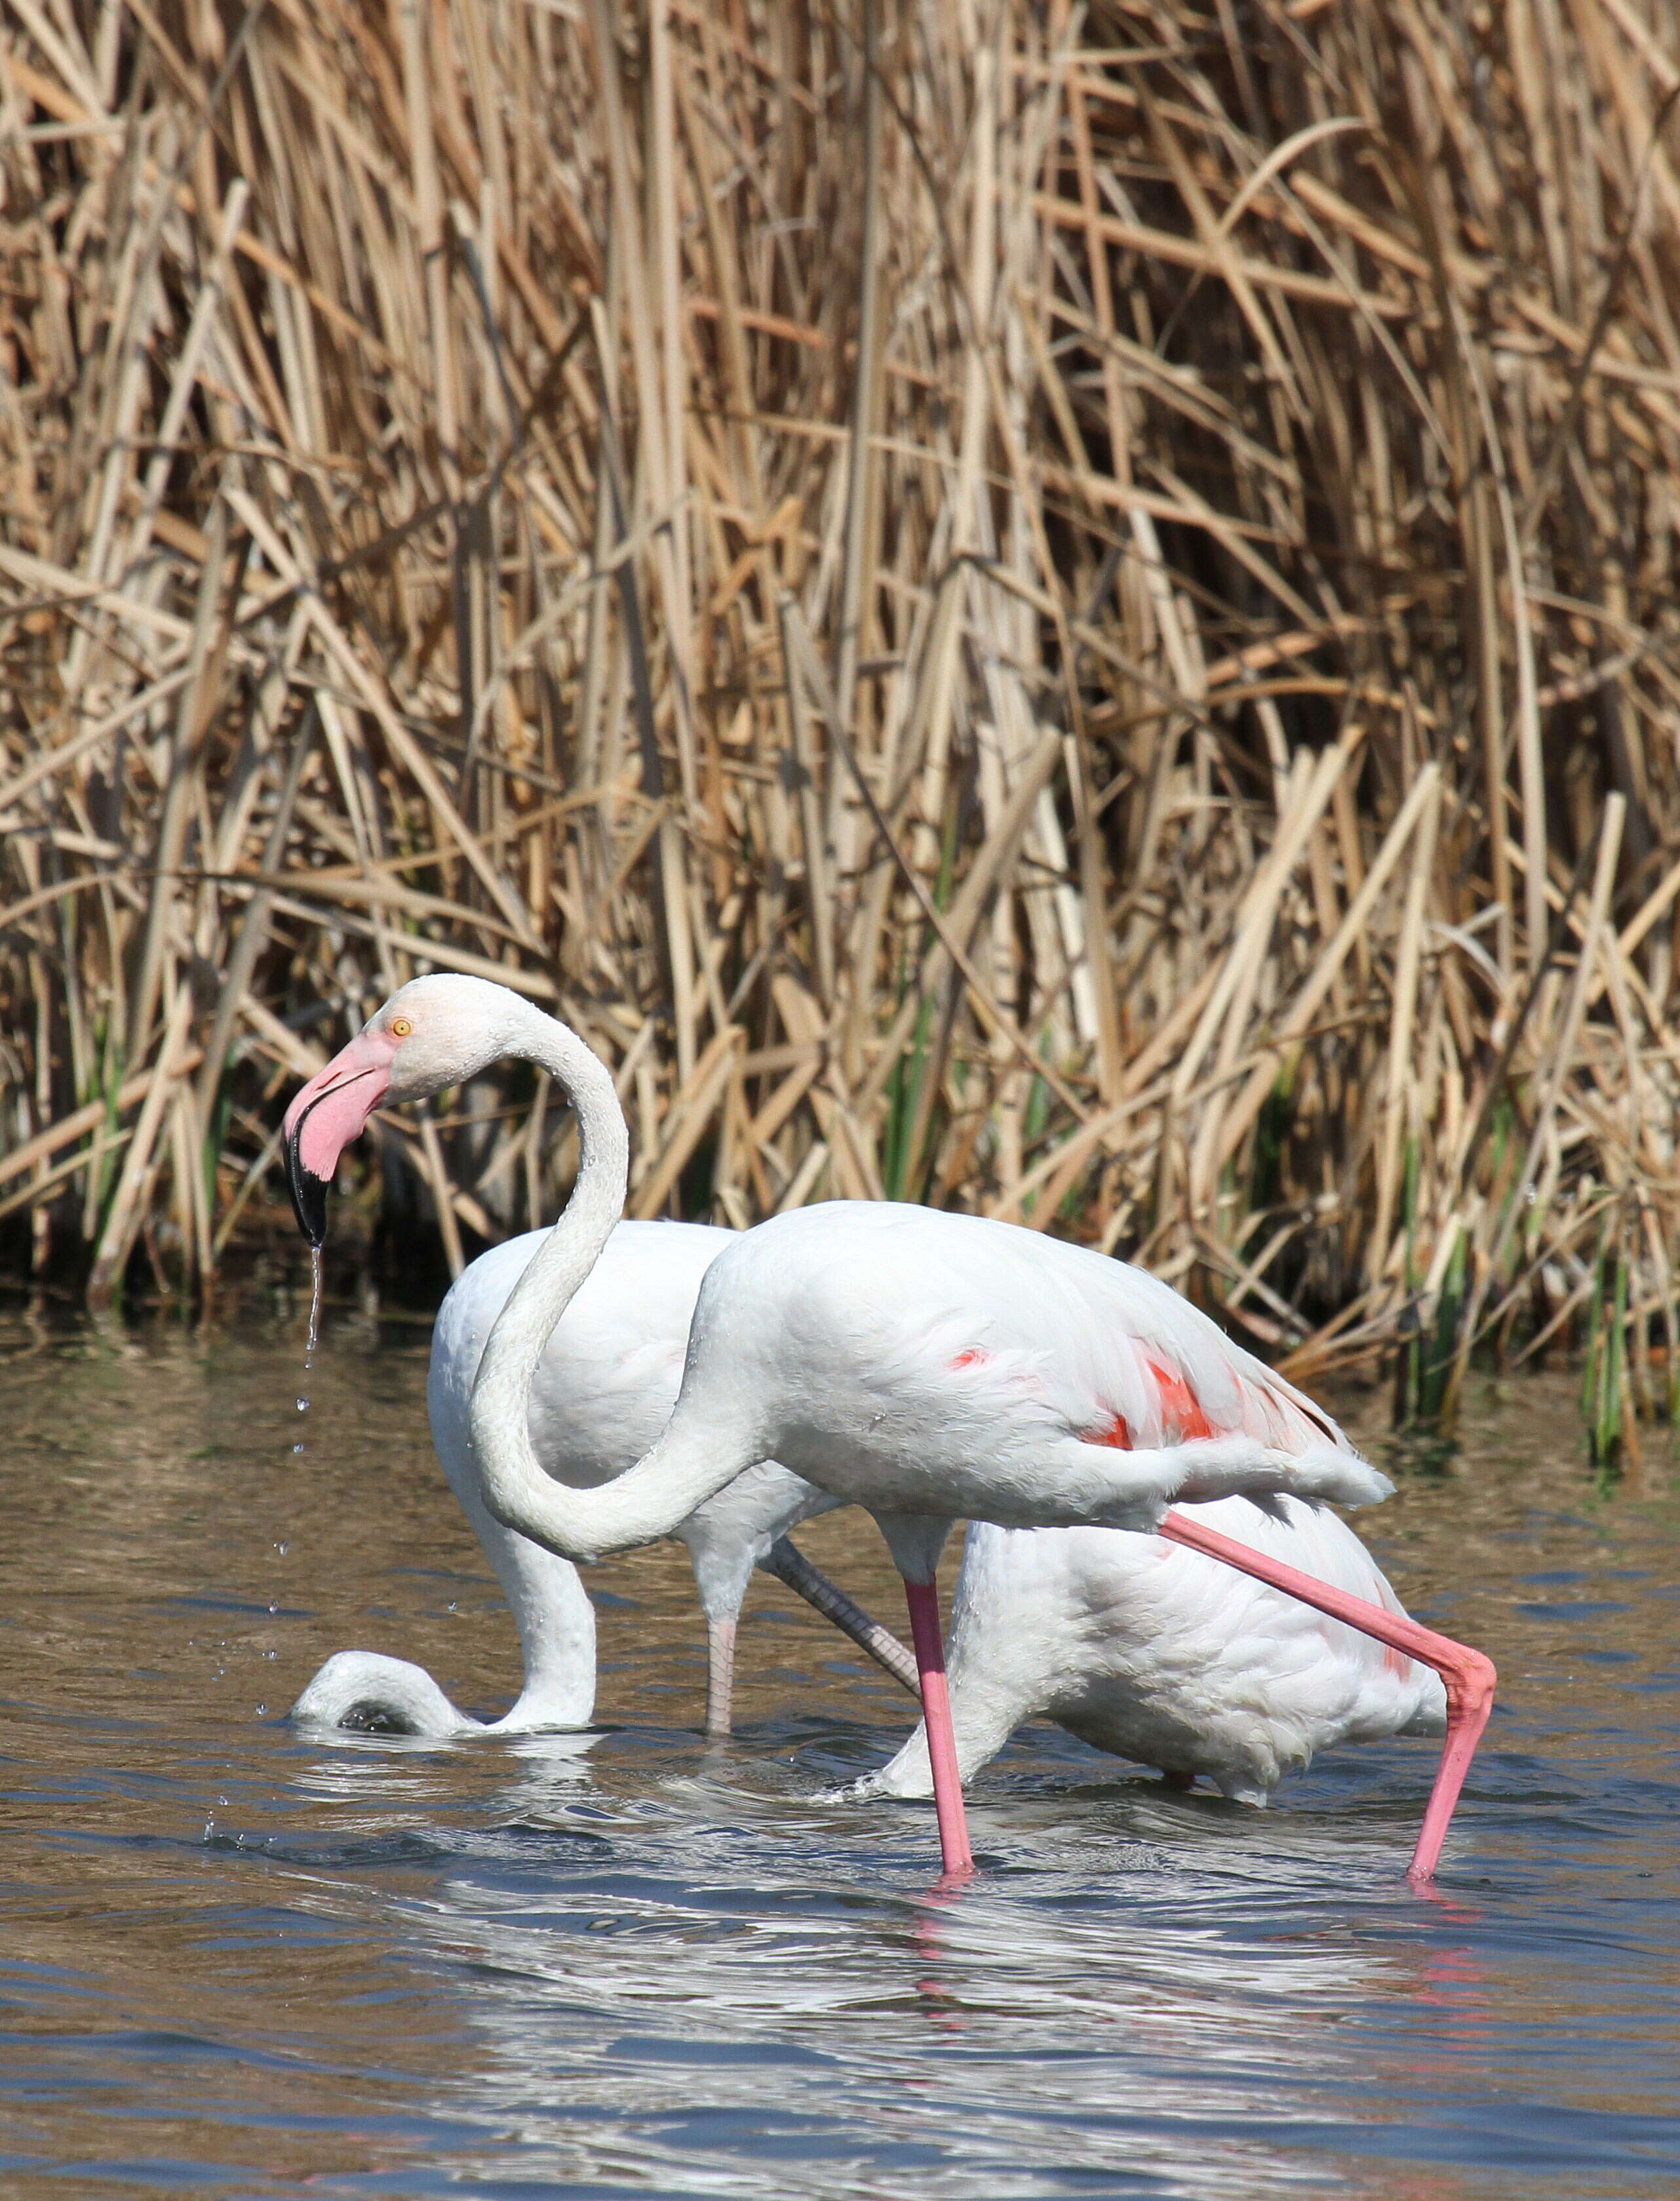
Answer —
602 1392
923 1364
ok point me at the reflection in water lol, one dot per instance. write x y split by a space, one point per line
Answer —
629 1963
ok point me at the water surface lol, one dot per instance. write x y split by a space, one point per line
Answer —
237 1962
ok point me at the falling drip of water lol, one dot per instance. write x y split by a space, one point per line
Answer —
314 1336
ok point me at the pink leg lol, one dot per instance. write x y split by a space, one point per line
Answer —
1469 1675
923 1599
720 1677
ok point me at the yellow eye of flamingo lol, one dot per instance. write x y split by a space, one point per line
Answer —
401 1027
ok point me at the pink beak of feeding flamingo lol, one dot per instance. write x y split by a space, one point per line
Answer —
325 1116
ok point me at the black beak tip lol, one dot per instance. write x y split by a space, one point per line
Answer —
308 1196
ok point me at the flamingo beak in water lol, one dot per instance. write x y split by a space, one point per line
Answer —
325 1116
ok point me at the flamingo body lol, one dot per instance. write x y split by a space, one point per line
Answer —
1158 1654
932 1365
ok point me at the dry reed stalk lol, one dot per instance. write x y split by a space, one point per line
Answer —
930 583
1400 1088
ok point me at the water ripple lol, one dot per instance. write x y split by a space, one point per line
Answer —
242 1962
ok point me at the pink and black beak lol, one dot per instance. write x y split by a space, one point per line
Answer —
325 1116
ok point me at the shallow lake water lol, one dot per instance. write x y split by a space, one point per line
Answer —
240 1962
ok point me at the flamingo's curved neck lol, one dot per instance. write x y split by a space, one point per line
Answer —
681 1470
550 1606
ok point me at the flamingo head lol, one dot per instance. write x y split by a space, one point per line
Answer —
432 1033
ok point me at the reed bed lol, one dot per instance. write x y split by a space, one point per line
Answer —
1068 611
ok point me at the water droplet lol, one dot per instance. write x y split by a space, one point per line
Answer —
313 1339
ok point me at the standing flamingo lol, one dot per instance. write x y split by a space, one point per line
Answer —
1158 1654
923 1364
602 1392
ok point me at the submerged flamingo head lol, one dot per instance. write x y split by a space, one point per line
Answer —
433 1032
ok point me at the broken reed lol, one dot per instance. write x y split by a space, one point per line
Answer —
1069 611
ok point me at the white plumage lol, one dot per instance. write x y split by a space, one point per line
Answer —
934 1365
